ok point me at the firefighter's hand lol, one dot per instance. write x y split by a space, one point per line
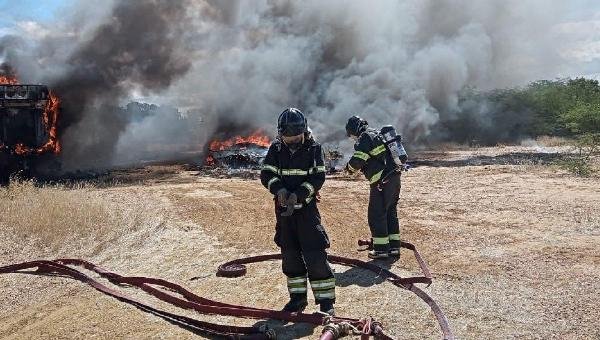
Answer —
282 197
405 167
292 199
291 205
350 170
347 168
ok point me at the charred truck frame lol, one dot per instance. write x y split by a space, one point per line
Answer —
22 125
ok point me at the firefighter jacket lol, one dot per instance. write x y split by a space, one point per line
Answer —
301 172
371 157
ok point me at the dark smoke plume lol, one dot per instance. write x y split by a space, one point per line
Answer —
6 70
139 47
393 62
231 66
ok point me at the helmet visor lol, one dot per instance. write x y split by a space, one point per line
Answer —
292 139
293 130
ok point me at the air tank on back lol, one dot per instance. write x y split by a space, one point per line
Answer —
394 144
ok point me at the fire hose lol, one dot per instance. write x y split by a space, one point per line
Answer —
334 327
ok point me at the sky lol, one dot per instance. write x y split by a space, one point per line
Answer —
13 11
581 26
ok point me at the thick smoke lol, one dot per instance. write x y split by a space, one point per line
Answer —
393 62
6 70
139 47
232 66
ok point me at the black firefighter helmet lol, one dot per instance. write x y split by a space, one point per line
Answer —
355 126
291 122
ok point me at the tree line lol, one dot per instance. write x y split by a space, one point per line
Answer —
564 107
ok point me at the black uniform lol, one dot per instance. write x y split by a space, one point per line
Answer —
374 160
301 236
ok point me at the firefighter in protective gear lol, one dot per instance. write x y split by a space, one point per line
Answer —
373 158
294 171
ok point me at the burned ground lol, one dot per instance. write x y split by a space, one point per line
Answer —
512 247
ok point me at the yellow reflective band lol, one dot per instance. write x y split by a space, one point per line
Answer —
376 177
297 279
309 187
296 285
376 151
297 290
273 180
294 172
331 279
381 240
394 237
270 168
361 155
323 285
318 169
324 295
308 199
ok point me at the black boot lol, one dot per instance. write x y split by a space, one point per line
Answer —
378 254
326 306
296 304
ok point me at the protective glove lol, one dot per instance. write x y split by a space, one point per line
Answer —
292 199
282 197
349 169
405 167
291 202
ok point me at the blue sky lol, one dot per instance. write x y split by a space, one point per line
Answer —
12 11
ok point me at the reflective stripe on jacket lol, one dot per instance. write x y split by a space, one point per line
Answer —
301 172
370 156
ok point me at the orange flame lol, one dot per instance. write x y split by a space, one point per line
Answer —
51 121
50 117
256 138
8 80
210 160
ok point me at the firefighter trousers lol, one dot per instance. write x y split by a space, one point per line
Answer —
303 241
383 214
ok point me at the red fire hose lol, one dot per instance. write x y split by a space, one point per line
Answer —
177 295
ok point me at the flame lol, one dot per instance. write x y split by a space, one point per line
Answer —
21 149
209 161
50 118
51 121
8 80
256 138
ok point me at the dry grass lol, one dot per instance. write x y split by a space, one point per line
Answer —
55 219
513 250
554 141
452 146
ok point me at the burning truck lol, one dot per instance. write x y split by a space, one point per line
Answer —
239 152
28 126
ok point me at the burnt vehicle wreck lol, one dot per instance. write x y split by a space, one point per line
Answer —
28 116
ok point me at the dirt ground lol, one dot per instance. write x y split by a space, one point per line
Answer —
513 248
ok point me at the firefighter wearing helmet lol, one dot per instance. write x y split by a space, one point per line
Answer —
381 157
294 171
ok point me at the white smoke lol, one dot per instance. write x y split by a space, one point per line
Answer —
392 62
398 62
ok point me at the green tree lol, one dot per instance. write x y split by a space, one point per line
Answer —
583 118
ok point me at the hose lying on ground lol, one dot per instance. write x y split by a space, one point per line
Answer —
177 295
